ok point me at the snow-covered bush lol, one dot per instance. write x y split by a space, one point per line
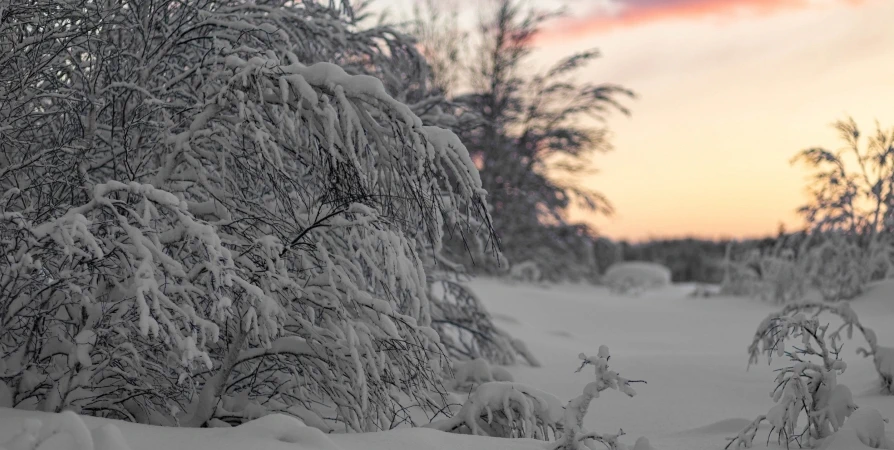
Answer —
740 279
839 268
809 384
636 276
574 435
774 275
784 278
514 410
202 217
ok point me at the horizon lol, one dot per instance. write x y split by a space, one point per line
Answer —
728 91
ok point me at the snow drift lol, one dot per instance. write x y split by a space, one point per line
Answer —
636 276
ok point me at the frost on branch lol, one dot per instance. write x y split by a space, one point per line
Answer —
204 217
808 386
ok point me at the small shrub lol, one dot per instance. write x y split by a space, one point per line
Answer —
774 275
514 410
809 384
839 268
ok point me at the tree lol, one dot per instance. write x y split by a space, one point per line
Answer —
851 208
211 210
534 141
852 189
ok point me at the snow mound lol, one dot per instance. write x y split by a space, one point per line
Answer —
65 431
478 371
869 427
509 408
636 276
287 429
721 427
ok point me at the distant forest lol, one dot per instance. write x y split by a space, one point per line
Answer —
689 259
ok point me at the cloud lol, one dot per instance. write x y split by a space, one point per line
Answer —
632 13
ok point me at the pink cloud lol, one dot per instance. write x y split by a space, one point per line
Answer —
635 13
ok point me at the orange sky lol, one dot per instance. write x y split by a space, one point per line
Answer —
729 91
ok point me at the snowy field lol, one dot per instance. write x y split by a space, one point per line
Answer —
692 352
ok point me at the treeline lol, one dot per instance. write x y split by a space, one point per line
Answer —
689 259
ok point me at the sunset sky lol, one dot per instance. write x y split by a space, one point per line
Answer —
729 91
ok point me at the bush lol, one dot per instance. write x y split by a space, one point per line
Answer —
809 384
514 410
839 268
774 275
203 217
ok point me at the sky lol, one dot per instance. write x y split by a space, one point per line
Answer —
728 91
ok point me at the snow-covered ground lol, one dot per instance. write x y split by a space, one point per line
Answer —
692 352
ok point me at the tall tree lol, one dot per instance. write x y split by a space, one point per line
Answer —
852 189
535 140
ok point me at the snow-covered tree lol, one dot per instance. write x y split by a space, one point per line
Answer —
215 209
852 189
808 387
851 209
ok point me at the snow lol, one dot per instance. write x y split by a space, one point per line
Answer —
869 426
691 351
635 276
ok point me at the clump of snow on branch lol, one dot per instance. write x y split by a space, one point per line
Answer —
635 277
